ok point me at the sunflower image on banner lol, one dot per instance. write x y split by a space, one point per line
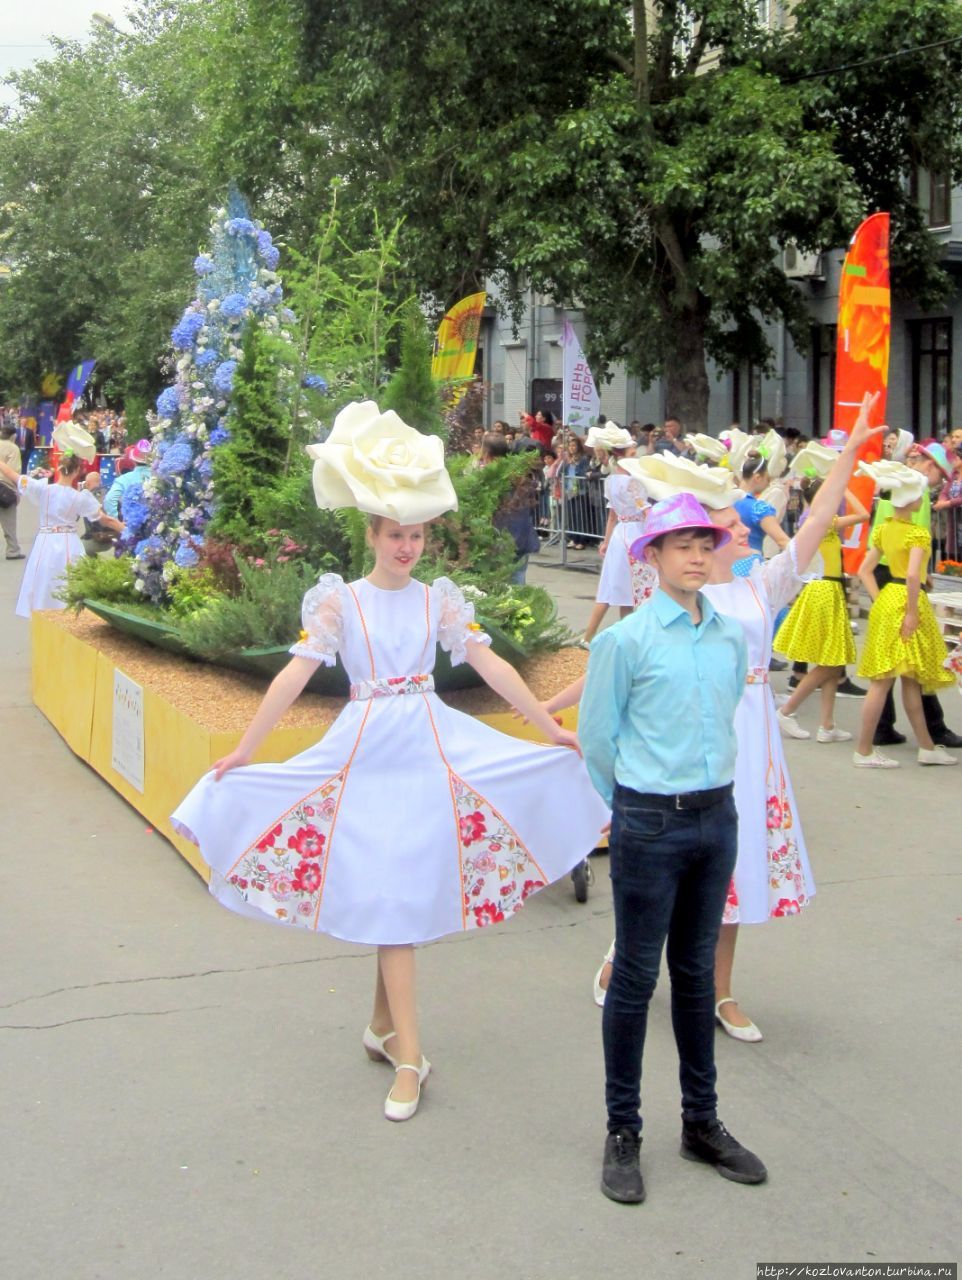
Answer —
862 357
456 346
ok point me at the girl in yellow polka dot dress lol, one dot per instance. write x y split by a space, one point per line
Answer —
903 637
817 630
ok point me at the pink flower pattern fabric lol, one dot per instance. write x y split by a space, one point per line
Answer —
497 871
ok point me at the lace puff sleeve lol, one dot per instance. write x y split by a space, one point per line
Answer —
456 624
781 578
322 617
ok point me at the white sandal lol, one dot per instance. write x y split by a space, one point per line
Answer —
374 1047
749 1034
599 990
394 1110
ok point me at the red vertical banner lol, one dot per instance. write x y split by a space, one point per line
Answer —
862 362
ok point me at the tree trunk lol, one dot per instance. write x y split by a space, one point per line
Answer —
686 378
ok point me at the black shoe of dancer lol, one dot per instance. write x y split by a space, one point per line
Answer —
947 739
621 1178
888 738
711 1143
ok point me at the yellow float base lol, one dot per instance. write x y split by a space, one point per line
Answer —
73 686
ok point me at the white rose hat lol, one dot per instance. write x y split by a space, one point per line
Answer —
904 485
664 476
739 442
814 460
772 448
708 447
70 437
375 462
610 436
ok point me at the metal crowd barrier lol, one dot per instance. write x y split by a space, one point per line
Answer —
573 524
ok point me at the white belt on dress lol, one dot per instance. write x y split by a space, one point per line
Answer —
757 675
391 687
635 519
56 528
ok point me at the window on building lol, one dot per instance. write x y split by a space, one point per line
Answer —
931 376
746 395
824 348
932 192
763 9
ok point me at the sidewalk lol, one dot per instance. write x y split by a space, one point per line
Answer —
186 1096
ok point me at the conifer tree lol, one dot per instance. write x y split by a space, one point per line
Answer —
412 393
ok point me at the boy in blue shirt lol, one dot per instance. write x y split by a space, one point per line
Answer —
656 726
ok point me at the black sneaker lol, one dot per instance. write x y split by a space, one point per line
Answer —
888 738
711 1143
621 1178
947 739
793 681
776 664
848 690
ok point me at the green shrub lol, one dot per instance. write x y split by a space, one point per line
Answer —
99 578
265 612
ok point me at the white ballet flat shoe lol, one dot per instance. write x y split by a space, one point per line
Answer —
374 1047
398 1111
749 1034
599 990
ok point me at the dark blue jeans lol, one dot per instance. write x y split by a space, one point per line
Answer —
670 872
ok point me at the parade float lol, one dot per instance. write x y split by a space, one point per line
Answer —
165 650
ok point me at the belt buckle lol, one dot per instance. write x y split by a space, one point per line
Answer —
679 807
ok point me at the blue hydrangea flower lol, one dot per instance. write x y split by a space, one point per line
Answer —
185 556
264 241
203 264
233 306
260 297
224 377
220 435
240 227
167 402
315 382
186 330
205 470
207 357
176 458
271 257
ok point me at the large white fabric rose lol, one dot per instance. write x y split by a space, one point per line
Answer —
664 476
903 485
377 463
815 459
71 438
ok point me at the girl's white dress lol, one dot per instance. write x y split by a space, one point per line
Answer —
57 542
407 820
772 875
625 581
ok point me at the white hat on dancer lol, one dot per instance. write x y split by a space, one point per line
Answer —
814 460
70 437
707 448
903 485
610 436
664 476
375 462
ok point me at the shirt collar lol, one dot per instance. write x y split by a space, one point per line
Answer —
670 611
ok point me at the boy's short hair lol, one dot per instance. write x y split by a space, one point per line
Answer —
704 533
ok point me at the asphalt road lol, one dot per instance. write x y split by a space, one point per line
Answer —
185 1093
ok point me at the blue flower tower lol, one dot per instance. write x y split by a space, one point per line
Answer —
237 285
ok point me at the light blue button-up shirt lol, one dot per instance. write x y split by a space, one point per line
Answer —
115 494
658 709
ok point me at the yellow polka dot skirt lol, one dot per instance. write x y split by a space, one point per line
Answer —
817 630
887 654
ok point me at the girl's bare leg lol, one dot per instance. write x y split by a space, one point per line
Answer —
871 710
724 963
396 971
598 611
830 683
912 702
381 1017
806 686
625 609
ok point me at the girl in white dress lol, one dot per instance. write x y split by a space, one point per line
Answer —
772 877
625 582
407 820
57 543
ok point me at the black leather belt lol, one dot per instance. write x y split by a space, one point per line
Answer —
687 799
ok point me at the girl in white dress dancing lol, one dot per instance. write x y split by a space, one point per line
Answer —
407 820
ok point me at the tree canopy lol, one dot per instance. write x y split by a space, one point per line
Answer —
642 161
